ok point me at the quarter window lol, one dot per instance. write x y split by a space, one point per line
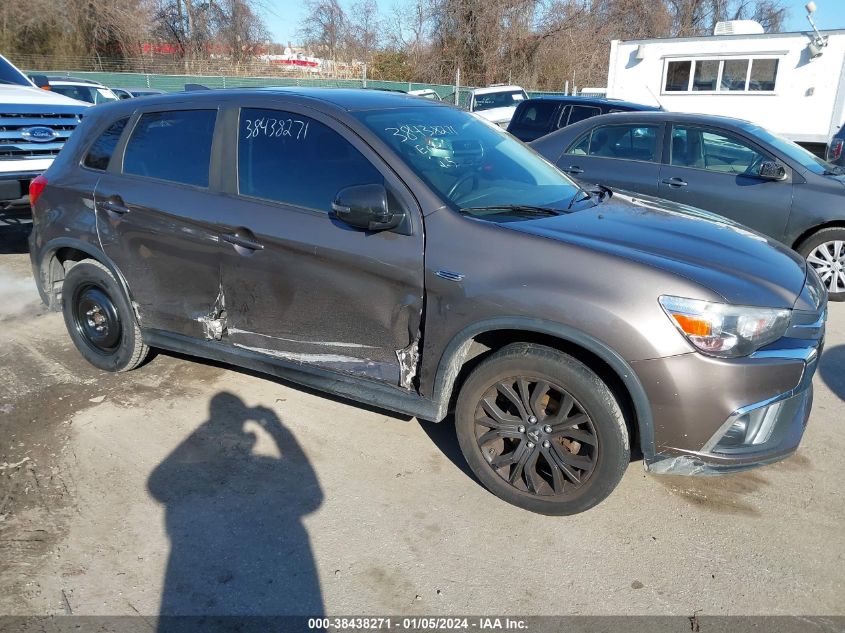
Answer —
703 149
297 160
173 146
628 142
579 113
99 155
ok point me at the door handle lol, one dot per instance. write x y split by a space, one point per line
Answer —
574 169
114 204
243 242
674 182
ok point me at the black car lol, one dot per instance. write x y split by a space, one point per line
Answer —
723 165
543 115
834 149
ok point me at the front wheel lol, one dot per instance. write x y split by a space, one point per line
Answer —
825 251
541 430
99 319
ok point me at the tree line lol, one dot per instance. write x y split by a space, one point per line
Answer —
540 44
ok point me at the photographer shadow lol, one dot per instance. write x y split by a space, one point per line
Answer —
235 493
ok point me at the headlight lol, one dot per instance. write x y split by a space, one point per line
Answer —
720 329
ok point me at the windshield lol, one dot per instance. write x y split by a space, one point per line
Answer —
89 94
468 162
794 151
11 75
504 99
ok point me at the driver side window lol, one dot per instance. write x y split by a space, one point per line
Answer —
705 149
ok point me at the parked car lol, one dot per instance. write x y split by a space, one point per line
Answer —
34 124
834 149
145 92
495 103
426 93
332 248
82 90
726 166
122 93
543 115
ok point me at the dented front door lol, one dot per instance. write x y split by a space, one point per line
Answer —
301 286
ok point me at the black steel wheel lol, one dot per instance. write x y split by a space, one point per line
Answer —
541 430
96 319
99 319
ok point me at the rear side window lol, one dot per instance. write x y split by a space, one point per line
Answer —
579 113
173 146
296 160
99 155
628 142
535 114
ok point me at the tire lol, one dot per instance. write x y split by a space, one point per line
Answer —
99 319
825 251
521 441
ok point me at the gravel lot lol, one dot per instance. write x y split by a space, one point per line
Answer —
190 487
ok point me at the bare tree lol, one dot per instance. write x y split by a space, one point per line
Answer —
324 26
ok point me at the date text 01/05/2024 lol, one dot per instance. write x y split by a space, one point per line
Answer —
418 623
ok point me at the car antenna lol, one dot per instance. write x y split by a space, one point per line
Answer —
654 96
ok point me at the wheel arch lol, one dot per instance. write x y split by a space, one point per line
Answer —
476 341
52 268
806 235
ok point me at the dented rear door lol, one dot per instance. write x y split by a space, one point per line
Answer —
157 220
299 285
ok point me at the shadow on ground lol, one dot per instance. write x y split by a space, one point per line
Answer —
13 235
832 369
235 493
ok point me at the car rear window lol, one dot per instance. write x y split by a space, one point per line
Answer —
101 151
297 160
173 146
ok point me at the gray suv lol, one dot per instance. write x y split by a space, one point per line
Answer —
319 236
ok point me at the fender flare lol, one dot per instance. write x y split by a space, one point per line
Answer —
48 251
454 353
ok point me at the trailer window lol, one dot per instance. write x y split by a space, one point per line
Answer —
706 75
734 73
763 74
721 75
677 76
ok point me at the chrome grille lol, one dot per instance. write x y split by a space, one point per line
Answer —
14 145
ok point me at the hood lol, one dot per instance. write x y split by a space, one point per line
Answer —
743 267
23 95
497 115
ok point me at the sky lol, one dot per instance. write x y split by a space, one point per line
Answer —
283 16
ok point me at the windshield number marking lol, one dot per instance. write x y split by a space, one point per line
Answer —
412 132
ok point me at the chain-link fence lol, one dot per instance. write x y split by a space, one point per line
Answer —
171 75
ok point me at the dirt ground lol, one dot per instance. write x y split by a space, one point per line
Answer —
188 487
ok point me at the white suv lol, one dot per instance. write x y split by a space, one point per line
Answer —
495 103
34 125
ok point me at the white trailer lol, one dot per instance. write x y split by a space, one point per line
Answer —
791 83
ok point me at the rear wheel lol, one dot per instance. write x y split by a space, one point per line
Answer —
99 319
541 430
825 251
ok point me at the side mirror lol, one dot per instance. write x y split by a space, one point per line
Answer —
365 207
41 81
771 170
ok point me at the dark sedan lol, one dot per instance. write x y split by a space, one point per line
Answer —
543 115
727 166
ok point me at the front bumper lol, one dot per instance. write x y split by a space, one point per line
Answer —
698 400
